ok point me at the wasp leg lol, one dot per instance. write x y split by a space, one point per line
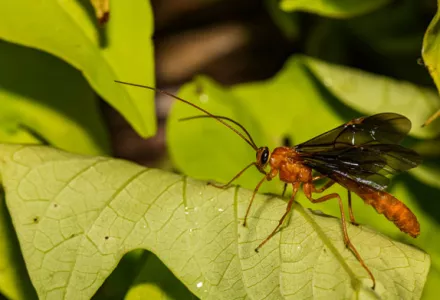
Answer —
308 189
226 185
284 190
280 222
252 199
350 210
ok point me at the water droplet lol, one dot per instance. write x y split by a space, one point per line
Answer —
221 210
199 284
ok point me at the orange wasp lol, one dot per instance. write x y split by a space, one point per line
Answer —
359 155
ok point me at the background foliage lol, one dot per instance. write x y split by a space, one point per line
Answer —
58 64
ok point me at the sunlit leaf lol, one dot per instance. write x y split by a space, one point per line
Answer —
121 50
369 94
76 216
431 54
57 107
300 103
334 8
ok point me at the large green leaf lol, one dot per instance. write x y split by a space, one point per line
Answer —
334 8
431 48
57 106
120 50
75 217
298 105
369 94
307 94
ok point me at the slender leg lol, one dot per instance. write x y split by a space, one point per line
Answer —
224 186
327 185
307 192
253 196
284 190
280 222
350 210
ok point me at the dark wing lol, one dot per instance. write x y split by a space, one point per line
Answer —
370 164
365 150
388 128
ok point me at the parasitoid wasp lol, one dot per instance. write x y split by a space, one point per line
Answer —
360 155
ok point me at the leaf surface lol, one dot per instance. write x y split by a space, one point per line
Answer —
48 107
334 8
369 94
122 50
431 50
75 217
298 105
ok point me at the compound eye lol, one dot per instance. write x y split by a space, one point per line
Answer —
265 156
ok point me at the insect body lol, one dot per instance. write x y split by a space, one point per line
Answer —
359 155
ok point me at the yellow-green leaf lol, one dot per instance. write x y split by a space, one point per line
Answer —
76 216
122 50
334 8
431 51
56 107
304 100
369 93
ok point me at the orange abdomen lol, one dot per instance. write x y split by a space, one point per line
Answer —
394 210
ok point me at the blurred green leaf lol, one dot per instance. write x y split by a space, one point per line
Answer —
334 8
431 50
51 105
369 93
121 50
305 99
76 216
307 94
287 22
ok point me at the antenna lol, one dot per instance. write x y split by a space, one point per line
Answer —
218 118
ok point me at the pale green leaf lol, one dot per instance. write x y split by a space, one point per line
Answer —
334 8
76 216
122 50
58 106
